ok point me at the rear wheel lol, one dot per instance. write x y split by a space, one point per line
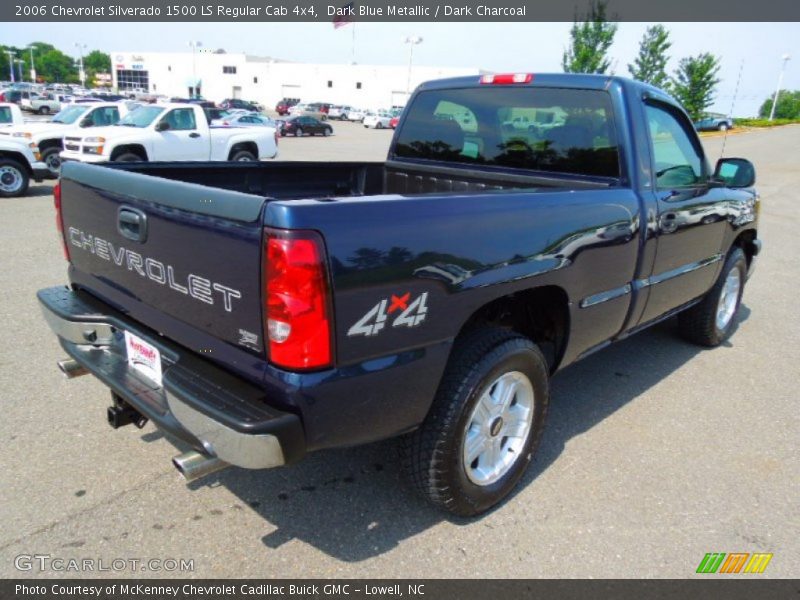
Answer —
14 178
128 157
723 127
43 110
711 322
484 425
298 132
51 157
243 156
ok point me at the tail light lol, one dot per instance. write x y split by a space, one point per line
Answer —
297 300
507 78
60 218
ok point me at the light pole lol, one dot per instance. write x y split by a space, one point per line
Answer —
20 62
11 56
785 58
194 46
33 66
411 40
81 72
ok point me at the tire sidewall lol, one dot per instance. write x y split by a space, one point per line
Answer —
513 355
23 176
736 260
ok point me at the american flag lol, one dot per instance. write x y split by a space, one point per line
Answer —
343 16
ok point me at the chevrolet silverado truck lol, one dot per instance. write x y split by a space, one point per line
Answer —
48 136
171 132
259 312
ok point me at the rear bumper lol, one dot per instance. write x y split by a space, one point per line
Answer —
216 412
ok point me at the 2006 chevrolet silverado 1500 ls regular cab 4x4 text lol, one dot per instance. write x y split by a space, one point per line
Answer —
171 132
262 311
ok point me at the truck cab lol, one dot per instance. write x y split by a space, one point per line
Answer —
10 115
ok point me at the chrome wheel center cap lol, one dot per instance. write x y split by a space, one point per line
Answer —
496 426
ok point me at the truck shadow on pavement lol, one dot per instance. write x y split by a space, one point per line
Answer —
353 504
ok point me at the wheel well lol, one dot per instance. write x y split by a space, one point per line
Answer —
248 146
17 157
130 148
745 242
46 144
541 314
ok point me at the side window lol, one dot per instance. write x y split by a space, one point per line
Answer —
105 116
678 163
181 119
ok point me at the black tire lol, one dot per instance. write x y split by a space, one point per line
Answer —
51 157
327 131
432 455
243 156
378 125
298 132
127 157
14 178
722 127
43 110
698 324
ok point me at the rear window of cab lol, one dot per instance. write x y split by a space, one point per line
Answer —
554 130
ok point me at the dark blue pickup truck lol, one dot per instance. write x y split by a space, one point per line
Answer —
258 312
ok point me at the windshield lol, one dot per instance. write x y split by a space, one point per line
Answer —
141 117
70 114
5 114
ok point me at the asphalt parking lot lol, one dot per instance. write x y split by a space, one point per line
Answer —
656 451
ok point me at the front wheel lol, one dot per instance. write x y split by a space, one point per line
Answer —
51 157
326 132
14 179
484 424
711 322
243 156
43 110
127 157
723 127
298 132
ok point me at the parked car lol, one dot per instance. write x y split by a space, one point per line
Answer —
283 106
714 123
299 126
42 105
393 123
229 103
11 95
318 110
72 119
170 132
378 120
245 120
431 296
10 114
340 112
357 115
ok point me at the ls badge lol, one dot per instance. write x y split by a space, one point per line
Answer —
411 314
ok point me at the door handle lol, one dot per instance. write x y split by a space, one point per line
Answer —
132 224
194 135
668 222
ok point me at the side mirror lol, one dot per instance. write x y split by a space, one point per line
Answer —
735 172
162 126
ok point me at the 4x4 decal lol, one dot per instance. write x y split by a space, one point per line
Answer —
412 313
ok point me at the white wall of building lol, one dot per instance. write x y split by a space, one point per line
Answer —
268 80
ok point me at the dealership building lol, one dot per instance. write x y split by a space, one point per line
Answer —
217 75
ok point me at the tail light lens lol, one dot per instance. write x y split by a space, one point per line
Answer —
60 218
297 300
506 78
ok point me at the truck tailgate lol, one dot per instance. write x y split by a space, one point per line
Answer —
188 251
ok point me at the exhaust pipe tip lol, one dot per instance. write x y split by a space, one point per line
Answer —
193 465
72 368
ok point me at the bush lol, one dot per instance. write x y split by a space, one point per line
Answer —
763 122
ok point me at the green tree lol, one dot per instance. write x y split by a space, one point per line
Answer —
589 42
787 107
96 62
55 66
650 66
694 83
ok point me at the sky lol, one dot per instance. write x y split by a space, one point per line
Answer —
753 50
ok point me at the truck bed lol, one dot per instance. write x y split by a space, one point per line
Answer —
302 180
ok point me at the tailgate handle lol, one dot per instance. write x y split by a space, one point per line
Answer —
132 224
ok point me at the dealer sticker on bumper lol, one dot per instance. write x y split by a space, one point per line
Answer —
143 357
